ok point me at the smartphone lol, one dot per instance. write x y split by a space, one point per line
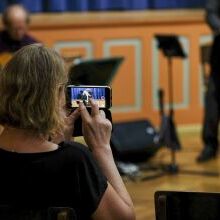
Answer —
102 95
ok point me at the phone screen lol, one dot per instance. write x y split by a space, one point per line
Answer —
98 94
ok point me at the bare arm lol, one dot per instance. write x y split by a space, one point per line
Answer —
116 202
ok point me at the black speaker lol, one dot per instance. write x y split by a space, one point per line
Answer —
134 141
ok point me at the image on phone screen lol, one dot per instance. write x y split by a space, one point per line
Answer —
84 94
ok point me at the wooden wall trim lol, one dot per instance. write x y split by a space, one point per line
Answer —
108 19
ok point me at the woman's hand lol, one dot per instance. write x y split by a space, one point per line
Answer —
68 130
96 128
116 203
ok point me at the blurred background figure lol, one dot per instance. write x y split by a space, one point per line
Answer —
212 98
14 36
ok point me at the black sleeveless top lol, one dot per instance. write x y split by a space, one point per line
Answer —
66 177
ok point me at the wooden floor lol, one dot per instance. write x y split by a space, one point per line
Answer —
142 192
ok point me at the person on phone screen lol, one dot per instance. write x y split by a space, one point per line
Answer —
86 95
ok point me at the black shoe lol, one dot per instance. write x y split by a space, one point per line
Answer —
207 154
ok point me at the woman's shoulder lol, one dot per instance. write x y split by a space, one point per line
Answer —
75 150
74 146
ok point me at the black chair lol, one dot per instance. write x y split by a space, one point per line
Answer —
52 213
187 205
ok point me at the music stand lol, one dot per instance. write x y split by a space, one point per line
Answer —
171 47
94 72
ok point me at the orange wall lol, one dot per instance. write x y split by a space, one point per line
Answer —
131 35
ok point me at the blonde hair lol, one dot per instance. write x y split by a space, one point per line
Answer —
30 90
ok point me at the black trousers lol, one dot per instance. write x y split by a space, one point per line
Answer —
212 99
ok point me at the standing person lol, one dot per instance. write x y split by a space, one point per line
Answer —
14 36
38 171
212 98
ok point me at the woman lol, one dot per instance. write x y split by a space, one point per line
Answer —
35 171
